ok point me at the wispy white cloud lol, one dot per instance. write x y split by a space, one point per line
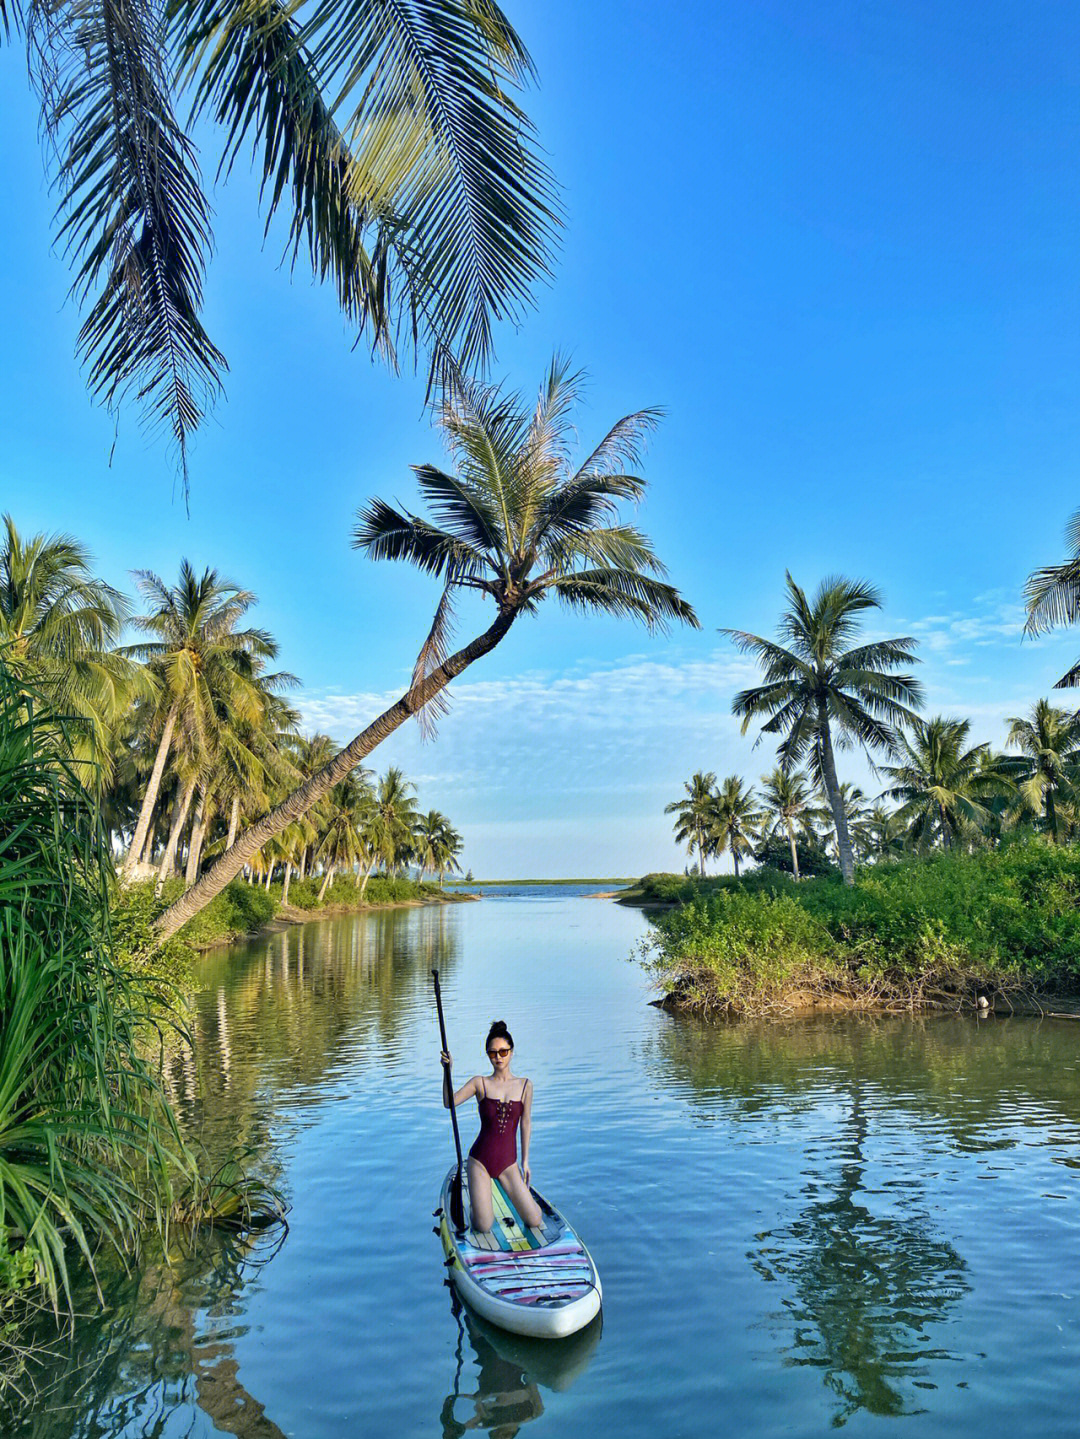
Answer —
536 767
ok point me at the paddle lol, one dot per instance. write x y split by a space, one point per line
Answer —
457 1203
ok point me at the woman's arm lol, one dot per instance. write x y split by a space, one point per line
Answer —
470 1087
526 1128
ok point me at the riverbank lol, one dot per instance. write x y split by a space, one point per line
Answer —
243 911
998 929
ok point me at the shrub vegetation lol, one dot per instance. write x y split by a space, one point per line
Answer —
940 928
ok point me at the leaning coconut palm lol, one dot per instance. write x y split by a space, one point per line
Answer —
694 815
59 625
735 818
1047 770
387 133
201 661
788 802
941 785
514 525
1052 595
821 686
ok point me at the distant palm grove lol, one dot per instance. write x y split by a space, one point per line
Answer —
184 734
822 691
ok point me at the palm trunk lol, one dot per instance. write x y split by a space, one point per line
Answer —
701 854
303 863
288 876
946 837
146 810
180 814
1051 813
794 851
832 791
198 835
234 820
323 781
367 876
359 869
735 860
328 880
269 876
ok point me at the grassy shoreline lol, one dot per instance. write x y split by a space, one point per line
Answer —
998 928
243 911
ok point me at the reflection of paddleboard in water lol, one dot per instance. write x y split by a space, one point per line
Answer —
540 1282
510 1371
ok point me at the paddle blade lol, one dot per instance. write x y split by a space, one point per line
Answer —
457 1202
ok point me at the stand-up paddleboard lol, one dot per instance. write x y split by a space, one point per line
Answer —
540 1282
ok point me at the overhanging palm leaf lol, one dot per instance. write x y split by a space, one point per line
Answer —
135 221
414 183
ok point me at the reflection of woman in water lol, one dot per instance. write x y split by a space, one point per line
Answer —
505 1398
505 1103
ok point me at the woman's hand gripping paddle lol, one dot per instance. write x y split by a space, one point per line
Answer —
457 1203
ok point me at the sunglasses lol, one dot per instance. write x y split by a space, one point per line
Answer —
498 1053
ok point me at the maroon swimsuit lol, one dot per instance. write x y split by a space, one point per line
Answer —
496 1144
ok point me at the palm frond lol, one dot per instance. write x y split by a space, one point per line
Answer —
460 508
134 216
390 534
433 653
250 68
429 120
621 592
623 447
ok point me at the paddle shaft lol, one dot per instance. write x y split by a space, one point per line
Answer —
456 1201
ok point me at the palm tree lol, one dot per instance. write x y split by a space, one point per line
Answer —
1046 770
388 132
941 784
735 820
515 524
821 682
340 845
201 661
437 845
789 802
393 819
883 833
1052 595
59 625
694 815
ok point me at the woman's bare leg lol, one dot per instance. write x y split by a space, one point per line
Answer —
481 1212
512 1181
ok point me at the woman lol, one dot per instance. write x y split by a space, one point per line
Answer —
505 1102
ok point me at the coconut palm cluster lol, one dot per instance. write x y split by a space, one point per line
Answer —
824 690
184 734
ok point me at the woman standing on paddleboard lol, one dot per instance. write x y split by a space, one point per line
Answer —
505 1104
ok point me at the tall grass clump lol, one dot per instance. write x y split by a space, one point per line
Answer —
86 1140
939 929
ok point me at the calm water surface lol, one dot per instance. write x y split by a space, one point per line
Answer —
869 1224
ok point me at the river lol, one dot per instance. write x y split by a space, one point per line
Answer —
799 1225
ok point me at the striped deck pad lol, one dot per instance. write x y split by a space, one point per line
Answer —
526 1266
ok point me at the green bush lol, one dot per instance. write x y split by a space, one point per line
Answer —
952 922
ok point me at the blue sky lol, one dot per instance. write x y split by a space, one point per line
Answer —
838 243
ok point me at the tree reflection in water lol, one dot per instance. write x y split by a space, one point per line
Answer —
159 1350
500 1390
866 1286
